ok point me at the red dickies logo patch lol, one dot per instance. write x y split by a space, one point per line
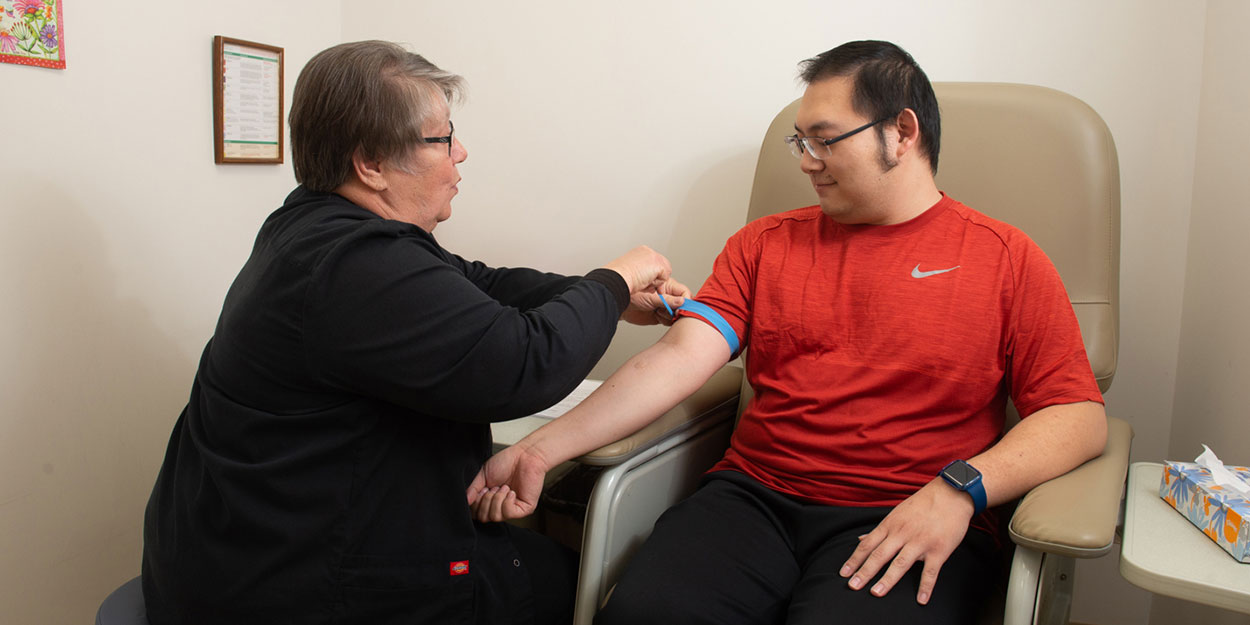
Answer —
460 568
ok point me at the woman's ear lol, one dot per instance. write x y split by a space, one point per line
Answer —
368 171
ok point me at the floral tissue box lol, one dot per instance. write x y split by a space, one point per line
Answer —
1221 513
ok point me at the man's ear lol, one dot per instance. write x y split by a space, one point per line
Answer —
368 171
908 132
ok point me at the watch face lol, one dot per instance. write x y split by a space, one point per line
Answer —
961 472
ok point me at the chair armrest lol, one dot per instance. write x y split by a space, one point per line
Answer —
1076 513
714 402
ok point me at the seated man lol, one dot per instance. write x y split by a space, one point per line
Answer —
887 328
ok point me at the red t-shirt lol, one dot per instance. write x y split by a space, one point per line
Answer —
878 354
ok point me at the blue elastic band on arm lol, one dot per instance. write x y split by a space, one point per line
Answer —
717 321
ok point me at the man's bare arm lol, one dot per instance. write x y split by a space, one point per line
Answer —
1043 446
645 387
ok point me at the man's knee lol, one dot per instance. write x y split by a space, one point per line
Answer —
630 609
691 606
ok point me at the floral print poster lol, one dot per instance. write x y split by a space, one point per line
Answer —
32 33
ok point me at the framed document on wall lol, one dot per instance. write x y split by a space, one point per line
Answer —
247 102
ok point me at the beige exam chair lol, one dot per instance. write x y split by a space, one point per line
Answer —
1036 158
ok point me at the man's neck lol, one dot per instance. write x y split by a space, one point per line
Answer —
910 200
903 199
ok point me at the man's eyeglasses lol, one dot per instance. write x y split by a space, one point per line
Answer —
821 149
446 139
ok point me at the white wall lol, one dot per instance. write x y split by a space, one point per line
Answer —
1211 389
594 127
591 128
1213 367
118 241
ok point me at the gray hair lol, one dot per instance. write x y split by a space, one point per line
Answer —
374 96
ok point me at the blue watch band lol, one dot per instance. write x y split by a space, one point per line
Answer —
977 490
714 318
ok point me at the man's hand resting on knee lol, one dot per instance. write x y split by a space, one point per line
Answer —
926 527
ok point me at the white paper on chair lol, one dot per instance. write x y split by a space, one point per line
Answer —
582 391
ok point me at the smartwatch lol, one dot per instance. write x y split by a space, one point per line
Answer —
963 476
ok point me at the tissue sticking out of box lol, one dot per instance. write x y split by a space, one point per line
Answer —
1222 476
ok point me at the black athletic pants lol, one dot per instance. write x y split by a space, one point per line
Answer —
737 552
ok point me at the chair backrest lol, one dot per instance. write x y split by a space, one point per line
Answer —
1036 158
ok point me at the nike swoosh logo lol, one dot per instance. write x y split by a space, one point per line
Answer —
917 273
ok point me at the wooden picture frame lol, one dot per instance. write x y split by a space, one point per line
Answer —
248 105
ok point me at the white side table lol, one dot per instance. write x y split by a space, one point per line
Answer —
1164 553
